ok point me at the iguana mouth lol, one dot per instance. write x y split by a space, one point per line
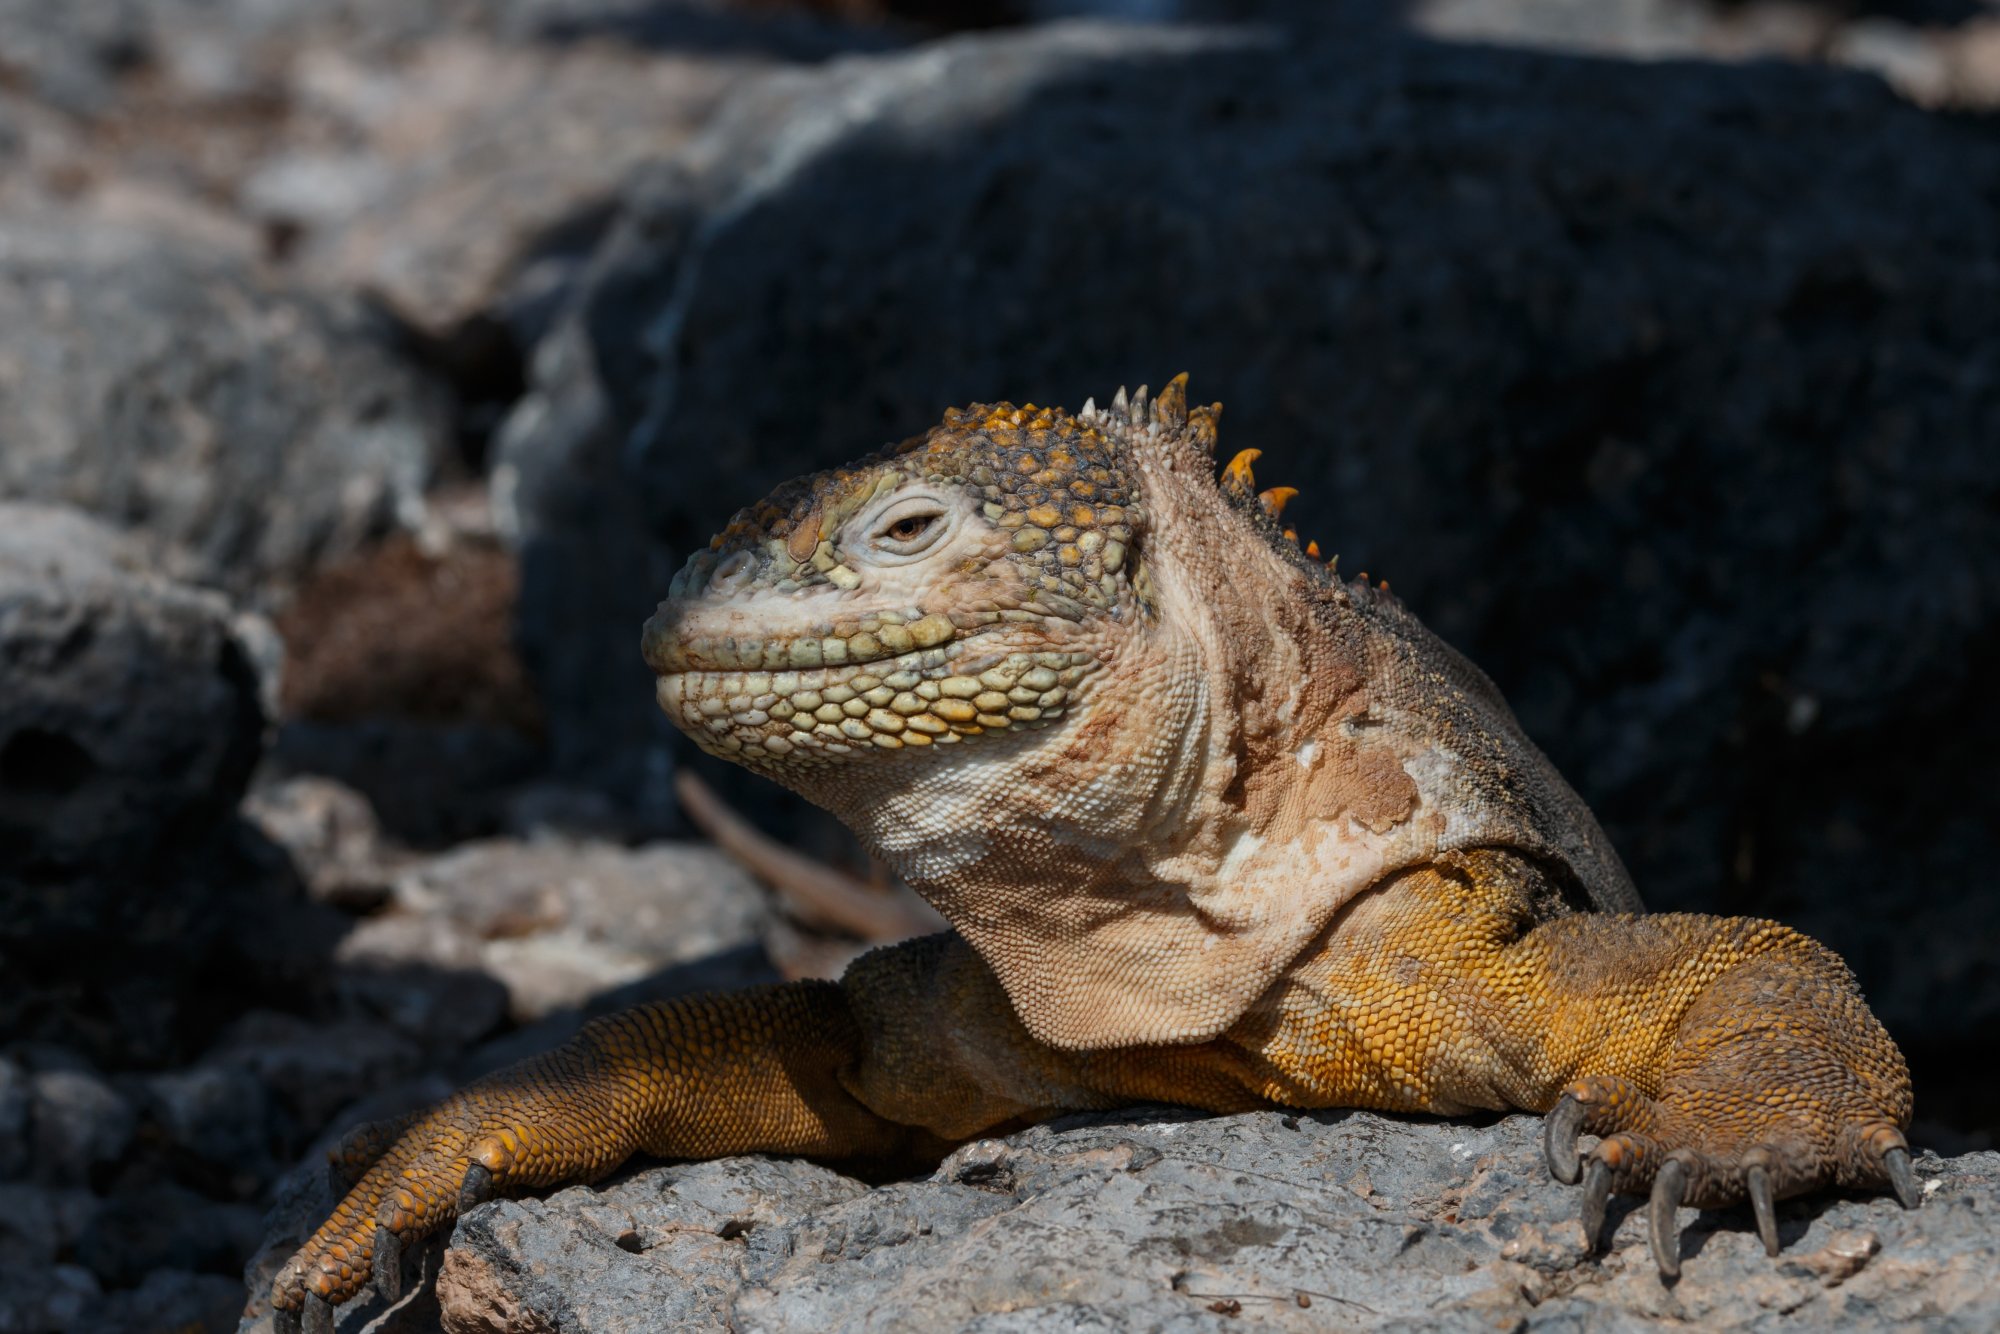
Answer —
877 638
933 696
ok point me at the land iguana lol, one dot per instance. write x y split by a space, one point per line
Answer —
1211 825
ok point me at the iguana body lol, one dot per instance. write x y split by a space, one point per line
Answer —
1211 826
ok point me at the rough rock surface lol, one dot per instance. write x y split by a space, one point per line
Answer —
1666 392
245 428
392 208
1155 1219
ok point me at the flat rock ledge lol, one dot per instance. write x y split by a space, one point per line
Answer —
1157 1219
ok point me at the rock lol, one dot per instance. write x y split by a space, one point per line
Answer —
131 717
411 630
423 977
1912 63
17 1103
1631 29
1153 1219
554 133
45 1299
165 1227
39 1223
128 714
1973 54
1665 391
221 1117
133 915
331 835
170 1301
79 1123
432 784
314 1069
558 922
700 1225
246 429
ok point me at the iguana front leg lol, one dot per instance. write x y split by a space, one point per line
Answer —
696 1078
1721 1059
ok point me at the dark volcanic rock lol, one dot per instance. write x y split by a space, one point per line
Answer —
169 1301
129 713
45 1299
247 429
1155 1221
1667 392
138 1232
79 1123
136 913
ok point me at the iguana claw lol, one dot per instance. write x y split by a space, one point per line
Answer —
1662 1210
1757 1182
1559 1132
475 1188
1896 1163
387 1263
1596 1194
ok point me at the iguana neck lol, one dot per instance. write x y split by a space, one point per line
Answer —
1133 874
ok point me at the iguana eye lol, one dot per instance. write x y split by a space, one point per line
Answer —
910 527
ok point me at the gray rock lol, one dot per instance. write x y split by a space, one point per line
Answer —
39 1223
421 976
1906 56
314 1069
78 1123
561 921
129 716
331 835
396 212
17 1102
45 1299
246 429
1666 391
1633 29
169 1301
74 52
165 1226
1153 1220
220 1116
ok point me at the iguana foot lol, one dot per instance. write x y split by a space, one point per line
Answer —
1780 1083
548 1121
1666 1152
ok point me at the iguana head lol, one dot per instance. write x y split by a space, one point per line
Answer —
963 586
1094 702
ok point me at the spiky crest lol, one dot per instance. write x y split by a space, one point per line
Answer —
1137 420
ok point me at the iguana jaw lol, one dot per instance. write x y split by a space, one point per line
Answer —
792 721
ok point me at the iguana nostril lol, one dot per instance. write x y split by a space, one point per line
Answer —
733 573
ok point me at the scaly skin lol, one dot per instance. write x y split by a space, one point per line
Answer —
1211 827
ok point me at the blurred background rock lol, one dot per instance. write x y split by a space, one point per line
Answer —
366 368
